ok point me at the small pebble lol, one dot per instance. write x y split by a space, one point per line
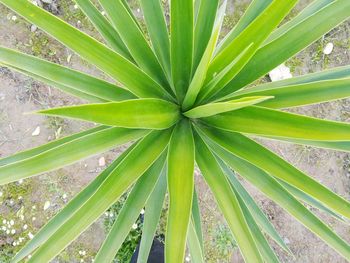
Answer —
134 226
33 28
64 196
36 132
280 73
328 49
25 227
30 235
47 205
142 211
102 161
13 231
76 6
14 18
12 222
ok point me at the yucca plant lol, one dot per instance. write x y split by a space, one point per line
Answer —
184 100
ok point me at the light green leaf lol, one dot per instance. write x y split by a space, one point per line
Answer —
269 122
123 176
291 42
181 32
201 70
104 27
227 201
58 220
91 50
152 215
134 39
255 8
130 212
272 189
211 109
254 209
301 94
140 113
255 33
203 29
180 187
59 154
258 155
158 32
71 79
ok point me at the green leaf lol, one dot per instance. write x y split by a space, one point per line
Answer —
49 146
91 50
272 189
58 220
68 90
291 42
71 79
130 212
301 196
194 244
255 8
269 122
158 32
195 236
123 176
201 70
266 251
255 33
181 32
338 146
220 79
104 27
211 109
62 153
330 74
140 113
308 11
227 201
301 94
152 215
180 187
203 29
254 209
134 39
263 158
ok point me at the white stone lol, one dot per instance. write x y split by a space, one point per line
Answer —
25 227
280 73
13 231
1 194
101 162
30 235
12 222
36 132
328 49
188 259
142 211
47 205
64 196
14 18
134 226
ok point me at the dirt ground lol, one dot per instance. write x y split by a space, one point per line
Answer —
24 202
